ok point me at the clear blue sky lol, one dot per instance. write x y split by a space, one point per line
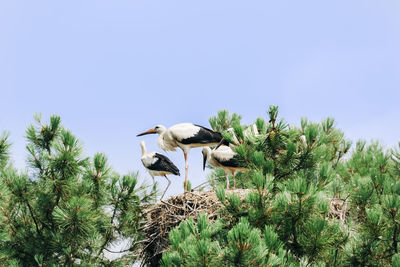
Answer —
112 69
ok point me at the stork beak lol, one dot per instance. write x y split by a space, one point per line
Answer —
204 161
151 131
223 141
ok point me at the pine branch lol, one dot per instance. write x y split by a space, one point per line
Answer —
294 233
17 248
395 233
297 168
108 236
57 198
33 217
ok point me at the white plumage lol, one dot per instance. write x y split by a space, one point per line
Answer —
250 132
157 164
303 140
185 136
223 157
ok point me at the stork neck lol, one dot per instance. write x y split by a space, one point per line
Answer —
143 147
209 157
208 153
160 141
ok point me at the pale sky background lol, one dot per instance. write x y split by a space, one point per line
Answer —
112 69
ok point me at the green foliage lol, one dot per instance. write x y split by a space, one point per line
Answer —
4 147
222 121
210 244
67 209
284 219
193 243
374 190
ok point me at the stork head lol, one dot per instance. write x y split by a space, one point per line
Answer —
206 152
158 129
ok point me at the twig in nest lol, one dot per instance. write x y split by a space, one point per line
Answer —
169 204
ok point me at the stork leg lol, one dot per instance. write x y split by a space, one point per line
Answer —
186 170
234 182
227 180
169 183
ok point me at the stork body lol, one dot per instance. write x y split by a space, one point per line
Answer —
158 165
185 136
223 157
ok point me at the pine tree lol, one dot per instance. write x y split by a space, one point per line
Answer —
67 209
208 244
284 219
374 189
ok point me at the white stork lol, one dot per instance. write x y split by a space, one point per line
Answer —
185 136
250 132
158 165
223 157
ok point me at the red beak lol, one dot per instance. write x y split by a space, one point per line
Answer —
151 131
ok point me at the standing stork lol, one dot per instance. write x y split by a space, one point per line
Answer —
223 157
158 165
185 136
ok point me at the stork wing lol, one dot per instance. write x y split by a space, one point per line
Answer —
226 157
188 133
163 164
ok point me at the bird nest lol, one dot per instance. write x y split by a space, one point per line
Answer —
165 215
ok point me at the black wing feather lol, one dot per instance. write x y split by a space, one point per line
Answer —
204 136
163 164
232 162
